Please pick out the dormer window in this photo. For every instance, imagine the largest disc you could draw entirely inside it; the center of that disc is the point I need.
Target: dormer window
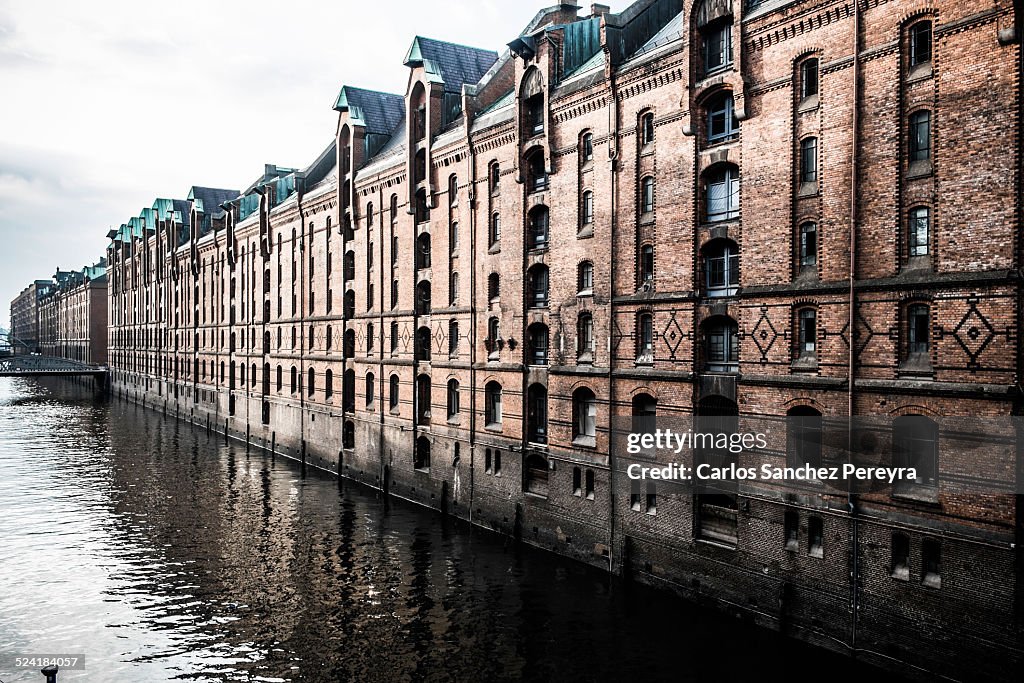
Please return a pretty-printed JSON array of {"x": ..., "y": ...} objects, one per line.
[
  {"x": 532, "y": 96},
  {"x": 717, "y": 38}
]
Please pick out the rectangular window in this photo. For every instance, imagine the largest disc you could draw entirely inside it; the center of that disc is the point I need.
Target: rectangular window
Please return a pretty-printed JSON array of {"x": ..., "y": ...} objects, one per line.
[
  {"x": 920, "y": 43},
  {"x": 717, "y": 46},
  {"x": 920, "y": 136},
  {"x": 652, "y": 503},
  {"x": 931, "y": 564},
  {"x": 487, "y": 461},
  {"x": 497, "y": 463},
  {"x": 577, "y": 481},
  {"x": 791, "y": 524},
  {"x": 809, "y": 160},
  {"x": 815, "y": 537},
  {"x": 917, "y": 329},
  {"x": 900, "y": 563},
  {"x": 809, "y": 78},
  {"x": 919, "y": 229},
  {"x": 808, "y": 245},
  {"x": 634, "y": 501},
  {"x": 590, "y": 485},
  {"x": 808, "y": 332}
]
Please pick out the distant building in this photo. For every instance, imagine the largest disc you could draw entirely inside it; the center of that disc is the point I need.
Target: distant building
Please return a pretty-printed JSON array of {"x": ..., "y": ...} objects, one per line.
[
  {"x": 73, "y": 315},
  {"x": 25, "y": 316}
]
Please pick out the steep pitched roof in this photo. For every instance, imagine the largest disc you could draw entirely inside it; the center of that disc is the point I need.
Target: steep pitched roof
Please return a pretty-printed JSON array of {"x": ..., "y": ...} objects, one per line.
[
  {"x": 454, "y": 64},
  {"x": 380, "y": 112}
]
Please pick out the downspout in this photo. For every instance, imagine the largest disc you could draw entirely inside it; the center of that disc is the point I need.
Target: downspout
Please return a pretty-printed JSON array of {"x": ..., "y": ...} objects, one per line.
[
  {"x": 613, "y": 159},
  {"x": 470, "y": 91},
  {"x": 299, "y": 191},
  {"x": 851, "y": 497}
]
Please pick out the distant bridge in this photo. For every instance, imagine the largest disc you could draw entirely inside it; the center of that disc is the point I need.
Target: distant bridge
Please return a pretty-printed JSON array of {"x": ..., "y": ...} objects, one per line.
[{"x": 48, "y": 366}]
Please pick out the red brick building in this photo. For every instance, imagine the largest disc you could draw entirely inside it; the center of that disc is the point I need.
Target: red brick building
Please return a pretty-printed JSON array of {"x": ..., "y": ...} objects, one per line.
[{"x": 732, "y": 210}]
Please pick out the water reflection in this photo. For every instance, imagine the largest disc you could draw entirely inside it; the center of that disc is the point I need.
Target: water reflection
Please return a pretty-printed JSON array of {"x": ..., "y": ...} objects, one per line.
[{"x": 163, "y": 553}]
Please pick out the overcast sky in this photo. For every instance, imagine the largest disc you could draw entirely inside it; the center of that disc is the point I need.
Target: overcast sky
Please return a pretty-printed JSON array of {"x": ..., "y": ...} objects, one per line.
[{"x": 105, "y": 106}]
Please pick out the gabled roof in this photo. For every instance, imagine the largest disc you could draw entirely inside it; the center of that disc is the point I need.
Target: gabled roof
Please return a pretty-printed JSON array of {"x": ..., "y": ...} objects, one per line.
[
  {"x": 208, "y": 200},
  {"x": 380, "y": 112},
  {"x": 454, "y": 64}
]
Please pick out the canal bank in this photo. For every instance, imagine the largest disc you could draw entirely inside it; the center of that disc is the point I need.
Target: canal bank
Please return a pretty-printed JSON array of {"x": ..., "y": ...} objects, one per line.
[{"x": 161, "y": 552}]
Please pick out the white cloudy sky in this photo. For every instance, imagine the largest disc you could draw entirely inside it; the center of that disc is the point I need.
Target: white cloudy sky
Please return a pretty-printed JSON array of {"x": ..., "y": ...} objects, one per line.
[{"x": 106, "y": 105}]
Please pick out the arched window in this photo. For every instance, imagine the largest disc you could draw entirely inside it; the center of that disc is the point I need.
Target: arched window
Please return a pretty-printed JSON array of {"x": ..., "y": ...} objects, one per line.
[
  {"x": 645, "y": 338},
  {"x": 714, "y": 24},
  {"x": 328, "y": 384},
  {"x": 808, "y": 249},
  {"x": 492, "y": 404},
  {"x": 493, "y": 286},
  {"x": 421, "y": 454},
  {"x": 348, "y": 437},
  {"x": 915, "y": 442},
  {"x": 537, "y": 341},
  {"x": 809, "y": 160},
  {"x": 453, "y": 398},
  {"x": 537, "y": 228},
  {"x": 330, "y": 337},
  {"x": 537, "y": 414},
  {"x": 423, "y": 298},
  {"x": 295, "y": 379},
  {"x": 919, "y": 136},
  {"x": 453, "y": 190},
  {"x": 537, "y": 286},
  {"x": 585, "y": 278},
  {"x": 369, "y": 214},
  {"x": 585, "y": 338},
  {"x": 647, "y": 194},
  {"x": 645, "y": 263},
  {"x": 918, "y": 332},
  {"x": 493, "y": 341},
  {"x": 587, "y": 147},
  {"x": 348, "y": 391},
  {"x": 422, "y": 207},
  {"x": 350, "y": 304},
  {"x": 423, "y": 399},
  {"x": 420, "y": 168},
  {"x": 494, "y": 176},
  {"x": 393, "y": 392},
  {"x": 371, "y": 336},
  {"x": 722, "y": 193},
  {"x": 647, "y": 129},
  {"x": 311, "y": 384},
  {"x": 807, "y": 334},
  {"x": 587, "y": 212},
  {"x": 584, "y": 410},
  {"x": 349, "y": 344},
  {"x": 644, "y": 414},
  {"x": 808, "y": 78},
  {"x": 803, "y": 437},
  {"x": 721, "y": 344},
  {"x": 919, "y": 230},
  {"x": 394, "y": 293},
  {"x": 423, "y": 250},
  {"x": 369, "y": 390},
  {"x": 722, "y": 123},
  {"x": 536, "y": 172},
  {"x": 453, "y": 288},
  {"x": 423, "y": 344},
  {"x": 920, "y": 35},
  {"x": 453, "y": 337},
  {"x": 394, "y": 337},
  {"x": 532, "y": 96},
  {"x": 280, "y": 378},
  {"x": 494, "y": 234},
  {"x": 721, "y": 267}
]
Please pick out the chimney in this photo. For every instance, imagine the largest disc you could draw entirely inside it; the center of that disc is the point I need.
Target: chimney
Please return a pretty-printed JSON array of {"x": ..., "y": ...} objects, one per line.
[{"x": 597, "y": 10}]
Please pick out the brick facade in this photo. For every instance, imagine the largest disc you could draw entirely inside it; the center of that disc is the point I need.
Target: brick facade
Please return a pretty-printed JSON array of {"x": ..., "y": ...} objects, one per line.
[{"x": 648, "y": 213}]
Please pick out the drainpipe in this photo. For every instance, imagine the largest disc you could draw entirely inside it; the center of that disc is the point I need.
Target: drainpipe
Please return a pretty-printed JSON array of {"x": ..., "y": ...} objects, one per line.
[
  {"x": 851, "y": 497},
  {"x": 469, "y": 92},
  {"x": 302, "y": 386},
  {"x": 613, "y": 164}
]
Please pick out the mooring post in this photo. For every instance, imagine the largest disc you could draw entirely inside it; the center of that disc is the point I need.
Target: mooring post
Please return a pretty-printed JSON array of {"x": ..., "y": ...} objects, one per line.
[{"x": 50, "y": 672}]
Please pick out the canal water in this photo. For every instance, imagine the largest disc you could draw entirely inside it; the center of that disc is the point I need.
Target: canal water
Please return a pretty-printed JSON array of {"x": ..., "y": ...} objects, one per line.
[{"x": 160, "y": 553}]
